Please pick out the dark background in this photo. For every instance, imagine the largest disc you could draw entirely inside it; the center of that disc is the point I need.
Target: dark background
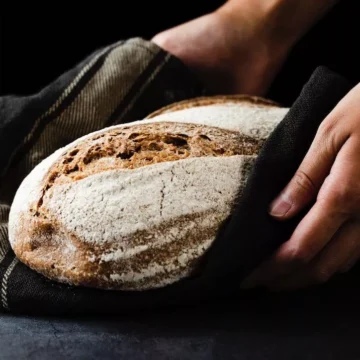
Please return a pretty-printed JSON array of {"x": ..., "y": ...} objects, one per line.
[{"x": 39, "y": 43}]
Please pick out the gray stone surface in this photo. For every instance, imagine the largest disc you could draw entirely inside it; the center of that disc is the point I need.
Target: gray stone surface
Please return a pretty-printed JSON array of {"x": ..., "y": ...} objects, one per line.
[{"x": 208, "y": 334}]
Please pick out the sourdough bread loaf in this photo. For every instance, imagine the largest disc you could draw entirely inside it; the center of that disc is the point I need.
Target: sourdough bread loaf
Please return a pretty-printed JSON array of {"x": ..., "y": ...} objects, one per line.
[{"x": 137, "y": 206}]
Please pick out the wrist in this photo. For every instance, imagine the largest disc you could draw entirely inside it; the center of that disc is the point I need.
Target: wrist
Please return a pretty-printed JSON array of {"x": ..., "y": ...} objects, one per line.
[{"x": 278, "y": 23}]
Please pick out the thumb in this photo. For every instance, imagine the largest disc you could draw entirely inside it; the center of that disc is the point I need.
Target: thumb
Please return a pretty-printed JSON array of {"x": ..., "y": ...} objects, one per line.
[
  {"x": 299, "y": 192},
  {"x": 309, "y": 177}
]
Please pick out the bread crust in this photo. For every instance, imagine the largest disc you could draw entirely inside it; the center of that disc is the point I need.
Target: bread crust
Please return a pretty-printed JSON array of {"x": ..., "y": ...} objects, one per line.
[
  {"x": 245, "y": 100},
  {"x": 139, "y": 220}
]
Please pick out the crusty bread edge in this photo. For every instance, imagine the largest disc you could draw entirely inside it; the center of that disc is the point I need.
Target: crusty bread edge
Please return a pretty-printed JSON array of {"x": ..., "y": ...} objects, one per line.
[{"x": 247, "y": 100}]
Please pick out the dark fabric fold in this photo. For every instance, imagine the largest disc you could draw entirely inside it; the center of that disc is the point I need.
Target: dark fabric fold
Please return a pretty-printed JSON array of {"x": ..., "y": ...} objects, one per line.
[
  {"x": 244, "y": 241},
  {"x": 19, "y": 113},
  {"x": 251, "y": 233}
]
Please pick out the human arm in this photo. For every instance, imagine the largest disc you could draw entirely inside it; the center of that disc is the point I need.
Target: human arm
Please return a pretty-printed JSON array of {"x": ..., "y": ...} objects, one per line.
[{"x": 240, "y": 47}]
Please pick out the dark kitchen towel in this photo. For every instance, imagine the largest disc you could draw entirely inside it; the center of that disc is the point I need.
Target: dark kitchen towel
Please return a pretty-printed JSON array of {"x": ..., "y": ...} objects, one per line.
[{"x": 125, "y": 82}]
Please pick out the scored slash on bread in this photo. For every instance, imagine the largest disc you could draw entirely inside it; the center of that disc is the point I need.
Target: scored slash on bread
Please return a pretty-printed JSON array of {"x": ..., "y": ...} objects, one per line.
[{"x": 136, "y": 206}]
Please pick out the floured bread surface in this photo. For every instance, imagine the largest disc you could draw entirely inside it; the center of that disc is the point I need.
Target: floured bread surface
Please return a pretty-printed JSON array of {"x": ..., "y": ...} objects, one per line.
[
  {"x": 131, "y": 207},
  {"x": 257, "y": 122},
  {"x": 219, "y": 100},
  {"x": 140, "y": 145}
]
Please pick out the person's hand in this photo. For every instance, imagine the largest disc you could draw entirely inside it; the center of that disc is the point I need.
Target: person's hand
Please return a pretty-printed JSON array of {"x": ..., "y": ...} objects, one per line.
[
  {"x": 240, "y": 47},
  {"x": 327, "y": 240},
  {"x": 228, "y": 50}
]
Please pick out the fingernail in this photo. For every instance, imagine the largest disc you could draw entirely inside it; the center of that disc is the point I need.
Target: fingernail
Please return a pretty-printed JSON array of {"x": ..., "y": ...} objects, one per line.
[{"x": 280, "y": 207}]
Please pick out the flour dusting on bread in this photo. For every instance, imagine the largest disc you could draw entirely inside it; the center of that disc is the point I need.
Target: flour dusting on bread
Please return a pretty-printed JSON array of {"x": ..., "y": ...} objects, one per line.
[{"x": 137, "y": 206}]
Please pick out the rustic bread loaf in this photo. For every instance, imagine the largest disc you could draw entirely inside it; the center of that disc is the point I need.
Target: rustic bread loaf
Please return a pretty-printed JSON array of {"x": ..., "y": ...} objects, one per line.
[{"x": 137, "y": 206}]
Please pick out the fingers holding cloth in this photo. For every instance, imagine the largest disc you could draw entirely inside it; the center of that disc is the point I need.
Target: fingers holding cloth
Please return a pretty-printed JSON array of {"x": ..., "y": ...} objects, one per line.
[{"x": 326, "y": 240}]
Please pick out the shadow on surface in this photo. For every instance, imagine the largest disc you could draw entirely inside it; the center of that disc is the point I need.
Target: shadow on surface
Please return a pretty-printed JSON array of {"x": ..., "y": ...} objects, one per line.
[{"x": 313, "y": 325}]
